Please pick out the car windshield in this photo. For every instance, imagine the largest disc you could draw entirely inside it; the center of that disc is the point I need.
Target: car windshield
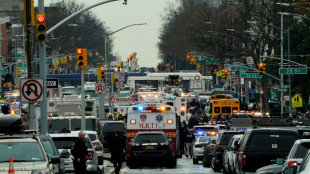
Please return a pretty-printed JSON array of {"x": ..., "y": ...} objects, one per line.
[
  {"x": 225, "y": 139},
  {"x": 77, "y": 91},
  {"x": 48, "y": 147},
  {"x": 71, "y": 90},
  {"x": 204, "y": 139},
  {"x": 66, "y": 142},
  {"x": 91, "y": 93},
  {"x": 302, "y": 150},
  {"x": 150, "y": 138},
  {"x": 21, "y": 152},
  {"x": 123, "y": 94},
  {"x": 175, "y": 90},
  {"x": 92, "y": 137}
]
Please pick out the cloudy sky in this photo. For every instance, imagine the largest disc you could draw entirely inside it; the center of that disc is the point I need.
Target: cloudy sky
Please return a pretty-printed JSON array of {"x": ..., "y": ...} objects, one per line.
[{"x": 142, "y": 39}]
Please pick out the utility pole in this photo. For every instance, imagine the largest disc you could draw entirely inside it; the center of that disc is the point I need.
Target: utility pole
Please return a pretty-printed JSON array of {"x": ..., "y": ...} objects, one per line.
[
  {"x": 29, "y": 32},
  {"x": 281, "y": 82}
]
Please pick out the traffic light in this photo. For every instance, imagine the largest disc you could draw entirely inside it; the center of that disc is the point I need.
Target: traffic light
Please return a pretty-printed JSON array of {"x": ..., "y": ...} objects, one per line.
[
  {"x": 41, "y": 27},
  {"x": 118, "y": 67},
  {"x": 261, "y": 68},
  {"x": 122, "y": 63},
  {"x": 56, "y": 64},
  {"x": 224, "y": 73},
  {"x": 81, "y": 57},
  {"x": 219, "y": 67},
  {"x": 188, "y": 57},
  {"x": 17, "y": 71},
  {"x": 100, "y": 74}
]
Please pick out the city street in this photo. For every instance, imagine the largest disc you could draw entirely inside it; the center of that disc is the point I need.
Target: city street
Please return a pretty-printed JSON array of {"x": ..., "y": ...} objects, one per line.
[{"x": 185, "y": 165}]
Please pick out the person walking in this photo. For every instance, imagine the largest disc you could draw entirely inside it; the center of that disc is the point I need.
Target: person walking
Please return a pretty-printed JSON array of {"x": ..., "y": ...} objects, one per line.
[
  {"x": 79, "y": 152},
  {"x": 117, "y": 150},
  {"x": 189, "y": 143},
  {"x": 182, "y": 138}
]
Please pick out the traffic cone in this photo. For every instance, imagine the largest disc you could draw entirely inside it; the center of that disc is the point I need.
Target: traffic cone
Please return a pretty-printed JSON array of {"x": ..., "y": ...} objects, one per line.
[{"x": 11, "y": 167}]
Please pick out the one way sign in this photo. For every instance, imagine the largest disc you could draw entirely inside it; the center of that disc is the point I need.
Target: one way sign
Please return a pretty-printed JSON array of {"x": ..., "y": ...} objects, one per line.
[{"x": 51, "y": 83}]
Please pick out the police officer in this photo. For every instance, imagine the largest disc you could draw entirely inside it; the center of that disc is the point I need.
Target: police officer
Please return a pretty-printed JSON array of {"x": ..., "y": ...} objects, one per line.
[{"x": 79, "y": 152}]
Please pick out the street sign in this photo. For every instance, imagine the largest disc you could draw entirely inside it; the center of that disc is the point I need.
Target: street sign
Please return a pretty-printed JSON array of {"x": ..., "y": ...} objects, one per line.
[
  {"x": 31, "y": 90},
  {"x": 286, "y": 86},
  {"x": 4, "y": 71},
  {"x": 113, "y": 97},
  {"x": 297, "y": 101},
  {"x": 282, "y": 90},
  {"x": 239, "y": 68},
  {"x": 122, "y": 78},
  {"x": 99, "y": 88},
  {"x": 293, "y": 71},
  {"x": 22, "y": 65},
  {"x": 119, "y": 84},
  {"x": 251, "y": 75},
  {"x": 52, "y": 83}
]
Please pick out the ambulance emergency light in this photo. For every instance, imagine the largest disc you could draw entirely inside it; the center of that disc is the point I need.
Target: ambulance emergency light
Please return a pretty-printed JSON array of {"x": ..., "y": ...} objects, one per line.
[{"x": 151, "y": 109}]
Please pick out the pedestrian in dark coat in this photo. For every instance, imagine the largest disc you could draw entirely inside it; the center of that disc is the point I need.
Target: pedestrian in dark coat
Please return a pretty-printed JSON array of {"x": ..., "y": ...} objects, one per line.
[
  {"x": 79, "y": 152},
  {"x": 182, "y": 138},
  {"x": 117, "y": 150}
]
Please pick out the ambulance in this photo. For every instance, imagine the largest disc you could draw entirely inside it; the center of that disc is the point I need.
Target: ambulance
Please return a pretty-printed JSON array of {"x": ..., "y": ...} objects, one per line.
[{"x": 153, "y": 117}]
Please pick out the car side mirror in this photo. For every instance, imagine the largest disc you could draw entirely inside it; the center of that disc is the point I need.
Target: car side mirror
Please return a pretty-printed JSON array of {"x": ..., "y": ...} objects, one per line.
[
  {"x": 290, "y": 170},
  {"x": 55, "y": 160},
  {"x": 65, "y": 154}
]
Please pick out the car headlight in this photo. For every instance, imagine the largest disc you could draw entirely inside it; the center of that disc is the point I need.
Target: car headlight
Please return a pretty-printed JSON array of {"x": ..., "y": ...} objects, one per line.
[
  {"x": 265, "y": 171},
  {"x": 45, "y": 171}
]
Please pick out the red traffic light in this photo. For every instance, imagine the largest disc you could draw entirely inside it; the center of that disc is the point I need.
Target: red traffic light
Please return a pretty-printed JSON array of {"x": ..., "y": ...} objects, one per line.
[
  {"x": 261, "y": 64},
  {"x": 41, "y": 18},
  {"x": 102, "y": 68},
  {"x": 225, "y": 71},
  {"x": 122, "y": 62}
]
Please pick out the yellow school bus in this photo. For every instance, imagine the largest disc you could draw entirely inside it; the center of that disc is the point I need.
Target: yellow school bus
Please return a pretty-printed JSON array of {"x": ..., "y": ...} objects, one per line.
[
  {"x": 219, "y": 96},
  {"x": 224, "y": 107}
]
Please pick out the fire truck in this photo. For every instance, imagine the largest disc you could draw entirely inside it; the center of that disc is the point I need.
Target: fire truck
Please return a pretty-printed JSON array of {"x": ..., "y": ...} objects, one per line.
[{"x": 153, "y": 117}]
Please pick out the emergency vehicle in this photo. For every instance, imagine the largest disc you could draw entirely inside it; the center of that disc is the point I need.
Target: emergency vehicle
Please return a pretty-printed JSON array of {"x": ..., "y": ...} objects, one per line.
[
  {"x": 153, "y": 117},
  {"x": 180, "y": 104},
  {"x": 150, "y": 97}
]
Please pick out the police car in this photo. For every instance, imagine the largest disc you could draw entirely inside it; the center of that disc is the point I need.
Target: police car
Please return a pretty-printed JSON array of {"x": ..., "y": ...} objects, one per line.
[
  {"x": 205, "y": 130},
  {"x": 14, "y": 141}
]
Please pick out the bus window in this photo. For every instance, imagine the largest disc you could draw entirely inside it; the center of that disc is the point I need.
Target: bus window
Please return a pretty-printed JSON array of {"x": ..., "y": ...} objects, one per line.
[
  {"x": 226, "y": 110},
  {"x": 235, "y": 109},
  {"x": 217, "y": 110}
]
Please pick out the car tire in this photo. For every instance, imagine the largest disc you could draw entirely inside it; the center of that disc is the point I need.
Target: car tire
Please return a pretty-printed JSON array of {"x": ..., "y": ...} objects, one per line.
[
  {"x": 172, "y": 163},
  {"x": 214, "y": 165},
  {"x": 205, "y": 163},
  {"x": 195, "y": 161}
]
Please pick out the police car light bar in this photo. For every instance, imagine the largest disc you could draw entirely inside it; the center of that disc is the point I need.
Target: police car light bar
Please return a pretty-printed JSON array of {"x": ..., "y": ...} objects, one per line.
[{"x": 151, "y": 109}]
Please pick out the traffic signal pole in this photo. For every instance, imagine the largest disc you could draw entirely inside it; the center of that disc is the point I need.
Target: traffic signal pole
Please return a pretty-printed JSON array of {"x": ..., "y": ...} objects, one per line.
[
  {"x": 29, "y": 32},
  {"x": 43, "y": 72}
]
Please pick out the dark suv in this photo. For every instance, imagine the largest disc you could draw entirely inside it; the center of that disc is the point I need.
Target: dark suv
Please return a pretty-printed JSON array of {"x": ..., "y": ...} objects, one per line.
[
  {"x": 151, "y": 147},
  {"x": 261, "y": 147},
  {"x": 213, "y": 153}
]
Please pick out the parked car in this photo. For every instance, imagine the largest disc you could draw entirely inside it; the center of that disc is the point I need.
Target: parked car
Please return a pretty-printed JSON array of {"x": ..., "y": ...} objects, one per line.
[
  {"x": 221, "y": 144},
  {"x": 64, "y": 143},
  {"x": 230, "y": 154},
  {"x": 261, "y": 147},
  {"x": 51, "y": 150},
  {"x": 198, "y": 148},
  {"x": 108, "y": 128},
  {"x": 297, "y": 153},
  {"x": 303, "y": 169},
  {"x": 23, "y": 148},
  {"x": 96, "y": 144},
  {"x": 152, "y": 147},
  {"x": 208, "y": 152}
]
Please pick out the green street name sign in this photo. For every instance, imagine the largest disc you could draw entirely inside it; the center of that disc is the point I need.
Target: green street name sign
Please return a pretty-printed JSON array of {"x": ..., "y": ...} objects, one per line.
[
  {"x": 293, "y": 71},
  {"x": 21, "y": 65},
  {"x": 251, "y": 75},
  {"x": 4, "y": 71},
  {"x": 286, "y": 86},
  {"x": 239, "y": 68}
]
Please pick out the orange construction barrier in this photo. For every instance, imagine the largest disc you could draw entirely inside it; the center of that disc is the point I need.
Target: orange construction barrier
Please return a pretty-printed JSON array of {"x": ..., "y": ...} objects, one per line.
[{"x": 11, "y": 167}]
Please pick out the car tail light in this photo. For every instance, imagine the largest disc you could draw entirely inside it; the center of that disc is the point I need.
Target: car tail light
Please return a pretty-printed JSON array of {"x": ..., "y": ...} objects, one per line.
[
  {"x": 218, "y": 147},
  {"x": 243, "y": 162},
  {"x": 95, "y": 143},
  {"x": 292, "y": 163},
  {"x": 90, "y": 155}
]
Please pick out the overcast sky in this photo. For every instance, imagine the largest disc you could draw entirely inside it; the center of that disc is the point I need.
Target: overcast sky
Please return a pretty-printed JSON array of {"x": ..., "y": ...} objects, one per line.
[{"x": 142, "y": 39}]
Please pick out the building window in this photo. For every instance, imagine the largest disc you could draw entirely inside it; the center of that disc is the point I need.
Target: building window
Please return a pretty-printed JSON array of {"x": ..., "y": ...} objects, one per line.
[{"x": 15, "y": 8}]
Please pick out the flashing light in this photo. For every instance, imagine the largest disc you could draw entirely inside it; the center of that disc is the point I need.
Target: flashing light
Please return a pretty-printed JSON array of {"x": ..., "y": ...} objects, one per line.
[
  {"x": 133, "y": 135},
  {"x": 200, "y": 133},
  {"x": 212, "y": 133},
  {"x": 235, "y": 111},
  {"x": 169, "y": 121},
  {"x": 143, "y": 95},
  {"x": 162, "y": 108},
  {"x": 292, "y": 163},
  {"x": 133, "y": 121},
  {"x": 13, "y": 112},
  {"x": 140, "y": 108},
  {"x": 169, "y": 134},
  {"x": 156, "y": 95},
  {"x": 182, "y": 109}
]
